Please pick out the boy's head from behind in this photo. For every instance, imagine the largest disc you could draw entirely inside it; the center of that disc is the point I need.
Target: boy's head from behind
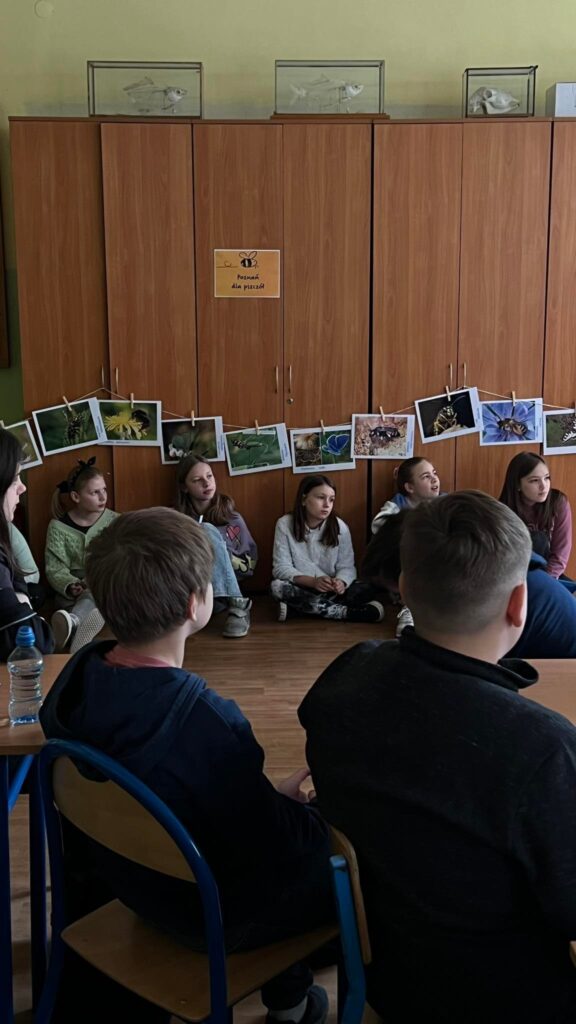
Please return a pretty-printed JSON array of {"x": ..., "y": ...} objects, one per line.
[
  {"x": 149, "y": 573},
  {"x": 462, "y": 557}
]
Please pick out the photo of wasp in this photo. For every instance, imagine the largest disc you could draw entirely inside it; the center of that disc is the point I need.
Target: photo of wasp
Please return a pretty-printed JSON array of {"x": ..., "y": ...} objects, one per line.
[
  {"x": 446, "y": 419},
  {"x": 511, "y": 422},
  {"x": 246, "y": 443},
  {"x": 453, "y": 413},
  {"x": 77, "y": 420}
]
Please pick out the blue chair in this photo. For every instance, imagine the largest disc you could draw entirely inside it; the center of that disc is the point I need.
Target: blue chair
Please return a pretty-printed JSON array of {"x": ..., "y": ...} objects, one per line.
[
  {"x": 117, "y": 810},
  {"x": 354, "y": 937}
]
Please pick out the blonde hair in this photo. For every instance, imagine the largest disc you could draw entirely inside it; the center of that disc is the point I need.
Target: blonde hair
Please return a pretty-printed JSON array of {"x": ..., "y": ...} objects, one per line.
[{"x": 76, "y": 480}]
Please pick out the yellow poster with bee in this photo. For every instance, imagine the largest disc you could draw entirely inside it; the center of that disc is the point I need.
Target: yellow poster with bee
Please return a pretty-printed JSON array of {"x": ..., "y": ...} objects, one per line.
[{"x": 246, "y": 273}]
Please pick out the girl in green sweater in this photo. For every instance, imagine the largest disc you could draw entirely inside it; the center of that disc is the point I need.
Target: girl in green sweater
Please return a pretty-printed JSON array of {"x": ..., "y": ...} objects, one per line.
[{"x": 73, "y": 527}]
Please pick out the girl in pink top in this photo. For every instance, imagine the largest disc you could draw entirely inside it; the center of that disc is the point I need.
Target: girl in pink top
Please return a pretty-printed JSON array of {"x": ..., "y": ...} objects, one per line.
[{"x": 545, "y": 510}]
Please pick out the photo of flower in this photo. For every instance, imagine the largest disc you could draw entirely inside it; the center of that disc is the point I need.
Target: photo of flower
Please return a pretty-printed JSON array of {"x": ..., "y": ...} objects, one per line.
[
  {"x": 202, "y": 438},
  {"x": 313, "y": 448},
  {"x": 131, "y": 423},
  {"x": 511, "y": 422}
]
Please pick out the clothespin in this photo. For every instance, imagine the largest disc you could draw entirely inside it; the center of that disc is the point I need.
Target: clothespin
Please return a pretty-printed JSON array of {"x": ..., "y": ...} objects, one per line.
[
  {"x": 67, "y": 403},
  {"x": 448, "y": 395},
  {"x": 381, "y": 411},
  {"x": 513, "y": 399},
  {"x": 131, "y": 399},
  {"x": 322, "y": 425},
  {"x": 193, "y": 418},
  {"x": 257, "y": 427},
  {"x": 2, "y": 424}
]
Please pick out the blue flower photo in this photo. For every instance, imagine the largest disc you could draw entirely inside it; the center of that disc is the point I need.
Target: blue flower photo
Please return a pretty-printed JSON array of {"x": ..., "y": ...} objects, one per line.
[{"x": 517, "y": 422}]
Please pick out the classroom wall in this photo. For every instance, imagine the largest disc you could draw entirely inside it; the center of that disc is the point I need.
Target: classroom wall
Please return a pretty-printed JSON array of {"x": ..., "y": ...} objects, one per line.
[{"x": 44, "y": 46}]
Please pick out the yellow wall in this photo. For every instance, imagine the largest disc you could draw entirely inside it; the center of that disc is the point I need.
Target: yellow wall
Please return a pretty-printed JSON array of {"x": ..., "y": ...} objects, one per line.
[{"x": 44, "y": 46}]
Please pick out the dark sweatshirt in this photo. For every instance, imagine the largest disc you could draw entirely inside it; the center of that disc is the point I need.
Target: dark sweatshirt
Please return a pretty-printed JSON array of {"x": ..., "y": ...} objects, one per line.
[{"x": 460, "y": 798}]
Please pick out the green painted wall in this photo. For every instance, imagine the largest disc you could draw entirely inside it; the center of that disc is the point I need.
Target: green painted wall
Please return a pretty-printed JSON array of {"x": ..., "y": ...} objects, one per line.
[{"x": 44, "y": 46}]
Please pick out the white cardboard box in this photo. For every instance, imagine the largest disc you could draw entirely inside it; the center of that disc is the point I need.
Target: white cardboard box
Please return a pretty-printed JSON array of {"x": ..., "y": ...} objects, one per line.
[{"x": 561, "y": 100}]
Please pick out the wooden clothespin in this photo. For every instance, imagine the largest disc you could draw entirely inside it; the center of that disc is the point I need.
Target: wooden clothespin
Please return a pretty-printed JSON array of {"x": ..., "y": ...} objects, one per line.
[
  {"x": 193, "y": 418},
  {"x": 513, "y": 400},
  {"x": 257, "y": 427},
  {"x": 448, "y": 395},
  {"x": 322, "y": 425},
  {"x": 381, "y": 411},
  {"x": 67, "y": 403},
  {"x": 2, "y": 424},
  {"x": 131, "y": 399}
]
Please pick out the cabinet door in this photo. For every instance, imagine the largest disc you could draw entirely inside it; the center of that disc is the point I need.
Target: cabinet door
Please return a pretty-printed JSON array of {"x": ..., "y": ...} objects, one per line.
[
  {"x": 61, "y": 284},
  {"x": 238, "y": 205},
  {"x": 327, "y": 207},
  {"x": 560, "y": 357},
  {"x": 505, "y": 204},
  {"x": 148, "y": 210},
  {"x": 417, "y": 185}
]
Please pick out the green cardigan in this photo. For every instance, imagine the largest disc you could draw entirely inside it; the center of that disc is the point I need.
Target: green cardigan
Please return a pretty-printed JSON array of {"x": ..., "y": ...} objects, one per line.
[{"x": 66, "y": 550}]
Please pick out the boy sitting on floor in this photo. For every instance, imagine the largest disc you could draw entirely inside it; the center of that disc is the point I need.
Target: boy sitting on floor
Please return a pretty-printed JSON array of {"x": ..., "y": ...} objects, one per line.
[{"x": 149, "y": 573}]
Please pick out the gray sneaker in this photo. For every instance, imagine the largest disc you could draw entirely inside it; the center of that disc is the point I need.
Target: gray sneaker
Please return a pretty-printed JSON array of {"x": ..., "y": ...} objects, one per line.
[
  {"x": 87, "y": 630},
  {"x": 64, "y": 625},
  {"x": 238, "y": 621}
]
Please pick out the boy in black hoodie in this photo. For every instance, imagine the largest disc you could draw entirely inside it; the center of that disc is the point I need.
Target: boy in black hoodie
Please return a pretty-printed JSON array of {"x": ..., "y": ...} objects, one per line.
[{"x": 149, "y": 573}]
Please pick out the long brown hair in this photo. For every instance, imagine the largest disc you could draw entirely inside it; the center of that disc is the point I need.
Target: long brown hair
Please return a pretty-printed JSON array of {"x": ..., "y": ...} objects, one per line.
[
  {"x": 10, "y": 459},
  {"x": 405, "y": 473},
  {"x": 220, "y": 509},
  {"x": 520, "y": 466},
  {"x": 331, "y": 530},
  {"x": 77, "y": 478}
]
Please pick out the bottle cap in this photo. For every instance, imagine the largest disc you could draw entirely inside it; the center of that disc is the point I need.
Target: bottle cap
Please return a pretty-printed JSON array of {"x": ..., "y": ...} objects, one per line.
[{"x": 25, "y": 637}]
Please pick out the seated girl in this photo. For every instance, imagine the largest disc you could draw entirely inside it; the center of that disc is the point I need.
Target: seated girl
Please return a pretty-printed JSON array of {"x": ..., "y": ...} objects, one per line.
[
  {"x": 313, "y": 559},
  {"x": 15, "y": 606},
  {"x": 545, "y": 511}
]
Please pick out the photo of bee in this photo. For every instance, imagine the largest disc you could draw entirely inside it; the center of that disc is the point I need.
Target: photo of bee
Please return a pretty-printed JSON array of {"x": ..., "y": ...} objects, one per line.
[
  {"x": 63, "y": 427},
  {"x": 449, "y": 415},
  {"x": 386, "y": 436},
  {"x": 203, "y": 437},
  {"x": 131, "y": 423},
  {"x": 515, "y": 422},
  {"x": 257, "y": 450},
  {"x": 313, "y": 447},
  {"x": 560, "y": 432},
  {"x": 23, "y": 434}
]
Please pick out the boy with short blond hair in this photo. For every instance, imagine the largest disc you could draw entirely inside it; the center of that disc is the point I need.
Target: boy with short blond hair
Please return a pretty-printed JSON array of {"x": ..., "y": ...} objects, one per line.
[{"x": 149, "y": 573}]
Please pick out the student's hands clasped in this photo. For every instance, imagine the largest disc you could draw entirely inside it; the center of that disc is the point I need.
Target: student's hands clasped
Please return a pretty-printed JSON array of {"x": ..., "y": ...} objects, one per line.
[
  {"x": 292, "y": 786},
  {"x": 76, "y": 589},
  {"x": 329, "y": 585}
]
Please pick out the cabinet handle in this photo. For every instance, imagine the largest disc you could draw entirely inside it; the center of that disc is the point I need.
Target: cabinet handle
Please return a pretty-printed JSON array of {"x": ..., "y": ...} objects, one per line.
[
  {"x": 276, "y": 376},
  {"x": 116, "y": 380},
  {"x": 451, "y": 369},
  {"x": 465, "y": 373},
  {"x": 102, "y": 376},
  {"x": 290, "y": 379}
]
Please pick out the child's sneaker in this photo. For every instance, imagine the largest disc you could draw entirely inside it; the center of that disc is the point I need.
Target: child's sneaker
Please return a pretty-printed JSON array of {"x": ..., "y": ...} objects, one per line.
[
  {"x": 282, "y": 611},
  {"x": 404, "y": 619},
  {"x": 87, "y": 630},
  {"x": 316, "y": 1010},
  {"x": 371, "y": 612},
  {"x": 64, "y": 625},
  {"x": 238, "y": 622}
]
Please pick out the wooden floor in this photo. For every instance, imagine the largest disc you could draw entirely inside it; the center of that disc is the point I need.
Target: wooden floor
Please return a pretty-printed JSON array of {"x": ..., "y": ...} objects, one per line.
[{"x": 267, "y": 673}]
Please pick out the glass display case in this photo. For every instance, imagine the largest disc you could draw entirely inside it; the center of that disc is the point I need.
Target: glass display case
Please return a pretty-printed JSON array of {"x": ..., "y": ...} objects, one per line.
[{"x": 144, "y": 89}]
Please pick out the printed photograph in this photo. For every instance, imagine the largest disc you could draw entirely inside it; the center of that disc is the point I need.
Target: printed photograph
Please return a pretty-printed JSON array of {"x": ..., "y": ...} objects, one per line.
[
  {"x": 383, "y": 437},
  {"x": 205, "y": 438},
  {"x": 248, "y": 451},
  {"x": 23, "y": 434},
  {"x": 313, "y": 448},
  {"x": 560, "y": 432},
  {"x": 442, "y": 416},
  {"x": 64, "y": 427},
  {"x": 136, "y": 423},
  {"x": 517, "y": 422}
]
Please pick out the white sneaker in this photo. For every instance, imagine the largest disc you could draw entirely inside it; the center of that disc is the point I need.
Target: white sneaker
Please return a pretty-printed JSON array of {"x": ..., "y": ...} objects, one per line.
[
  {"x": 64, "y": 625},
  {"x": 404, "y": 619},
  {"x": 87, "y": 630},
  {"x": 282, "y": 611}
]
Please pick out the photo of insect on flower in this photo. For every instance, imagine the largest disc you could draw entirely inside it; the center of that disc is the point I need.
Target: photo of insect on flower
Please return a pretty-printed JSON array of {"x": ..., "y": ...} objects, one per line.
[
  {"x": 201, "y": 438},
  {"x": 514, "y": 422},
  {"x": 383, "y": 436},
  {"x": 23, "y": 434},
  {"x": 257, "y": 450},
  {"x": 313, "y": 447},
  {"x": 62, "y": 427},
  {"x": 560, "y": 432},
  {"x": 131, "y": 423}
]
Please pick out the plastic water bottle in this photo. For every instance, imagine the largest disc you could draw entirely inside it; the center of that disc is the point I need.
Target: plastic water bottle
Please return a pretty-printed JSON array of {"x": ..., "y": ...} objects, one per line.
[{"x": 25, "y": 667}]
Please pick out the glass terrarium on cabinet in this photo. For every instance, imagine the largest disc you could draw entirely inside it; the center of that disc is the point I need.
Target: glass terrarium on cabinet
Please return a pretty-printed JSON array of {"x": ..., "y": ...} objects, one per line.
[
  {"x": 144, "y": 89},
  {"x": 329, "y": 87},
  {"x": 499, "y": 92}
]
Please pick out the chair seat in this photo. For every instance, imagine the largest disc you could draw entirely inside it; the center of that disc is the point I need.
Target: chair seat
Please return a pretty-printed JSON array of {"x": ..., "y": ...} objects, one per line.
[{"x": 165, "y": 971}]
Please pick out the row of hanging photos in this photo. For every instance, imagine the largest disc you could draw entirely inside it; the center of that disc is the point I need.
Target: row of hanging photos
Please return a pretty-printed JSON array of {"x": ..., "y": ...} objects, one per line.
[{"x": 381, "y": 435}]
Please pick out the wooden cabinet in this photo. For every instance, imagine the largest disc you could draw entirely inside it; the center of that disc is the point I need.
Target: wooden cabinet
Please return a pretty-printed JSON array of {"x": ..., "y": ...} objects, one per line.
[
  {"x": 61, "y": 284},
  {"x": 417, "y": 196},
  {"x": 560, "y": 358},
  {"x": 149, "y": 241},
  {"x": 505, "y": 205}
]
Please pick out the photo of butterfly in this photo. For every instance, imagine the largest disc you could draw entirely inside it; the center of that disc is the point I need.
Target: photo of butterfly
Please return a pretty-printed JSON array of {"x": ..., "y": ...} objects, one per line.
[{"x": 315, "y": 447}]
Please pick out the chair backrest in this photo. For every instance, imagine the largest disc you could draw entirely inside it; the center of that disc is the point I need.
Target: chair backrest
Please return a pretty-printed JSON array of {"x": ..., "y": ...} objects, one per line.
[
  {"x": 116, "y": 820},
  {"x": 342, "y": 845}
]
